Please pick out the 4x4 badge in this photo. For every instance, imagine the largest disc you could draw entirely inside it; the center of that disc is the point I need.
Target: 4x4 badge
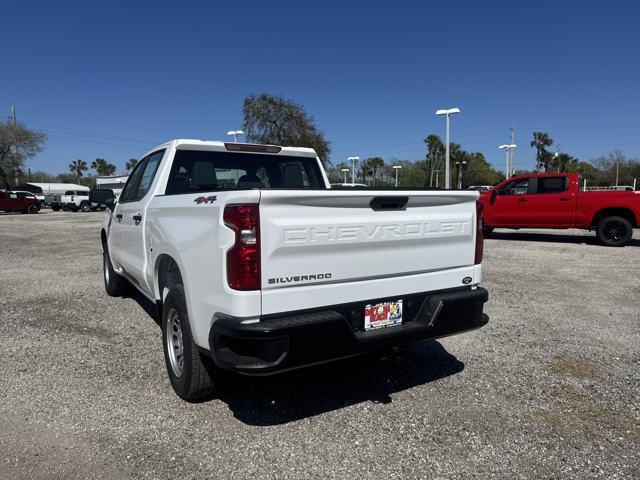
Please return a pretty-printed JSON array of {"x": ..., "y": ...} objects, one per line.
[{"x": 201, "y": 200}]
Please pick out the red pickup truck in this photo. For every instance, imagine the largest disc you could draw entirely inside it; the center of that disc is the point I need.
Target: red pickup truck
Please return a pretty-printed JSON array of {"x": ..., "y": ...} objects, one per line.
[{"x": 556, "y": 201}]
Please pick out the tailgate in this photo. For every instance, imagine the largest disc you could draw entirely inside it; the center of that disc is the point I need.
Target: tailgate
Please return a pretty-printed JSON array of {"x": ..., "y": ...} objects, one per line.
[{"x": 345, "y": 238}]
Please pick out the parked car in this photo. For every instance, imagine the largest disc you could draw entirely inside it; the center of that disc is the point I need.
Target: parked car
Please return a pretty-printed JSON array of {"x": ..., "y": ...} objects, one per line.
[
  {"x": 24, "y": 202},
  {"x": 556, "y": 201},
  {"x": 73, "y": 200},
  {"x": 279, "y": 271},
  {"x": 39, "y": 196}
]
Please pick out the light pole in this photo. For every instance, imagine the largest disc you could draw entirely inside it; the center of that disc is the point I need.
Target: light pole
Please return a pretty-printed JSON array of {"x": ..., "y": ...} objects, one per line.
[
  {"x": 344, "y": 171},
  {"x": 397, "y": 169},
  {"x": 508, "y": 149},
  {"x": 447, "y": 170},
  {"x": 234, "y": 134},
  {"x": 459, "y": 166},
  {"x": 353, "y": 171}
]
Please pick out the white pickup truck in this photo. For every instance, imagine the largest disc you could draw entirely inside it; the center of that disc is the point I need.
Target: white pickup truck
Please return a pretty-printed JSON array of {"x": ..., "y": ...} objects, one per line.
[
  {"x": 73, "y": 200},
  {"x": 256, "y": 265}
]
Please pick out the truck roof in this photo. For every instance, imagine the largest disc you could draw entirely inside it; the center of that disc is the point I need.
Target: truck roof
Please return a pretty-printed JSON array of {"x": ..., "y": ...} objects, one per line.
[{"x": 214, "y": 145}]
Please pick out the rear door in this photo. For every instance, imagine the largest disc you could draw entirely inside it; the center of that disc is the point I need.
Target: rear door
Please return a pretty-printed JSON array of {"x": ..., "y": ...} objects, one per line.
[{"x": 552, "y": 203}]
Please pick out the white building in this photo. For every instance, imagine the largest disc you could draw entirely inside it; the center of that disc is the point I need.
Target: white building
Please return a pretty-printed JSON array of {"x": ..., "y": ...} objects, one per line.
[{"x": 48, "y": 188}]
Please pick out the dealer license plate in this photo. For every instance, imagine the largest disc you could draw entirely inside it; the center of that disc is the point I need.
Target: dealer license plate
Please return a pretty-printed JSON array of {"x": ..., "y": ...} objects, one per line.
[{"x": 380, "y": 315}]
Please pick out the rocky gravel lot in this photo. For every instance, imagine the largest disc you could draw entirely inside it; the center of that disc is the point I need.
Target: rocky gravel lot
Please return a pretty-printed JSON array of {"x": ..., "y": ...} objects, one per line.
[{"x": 549, "y": 389}]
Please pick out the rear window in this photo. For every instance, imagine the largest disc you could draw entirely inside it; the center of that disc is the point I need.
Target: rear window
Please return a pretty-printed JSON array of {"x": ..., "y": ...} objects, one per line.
[{"x": 201, "y": 171}]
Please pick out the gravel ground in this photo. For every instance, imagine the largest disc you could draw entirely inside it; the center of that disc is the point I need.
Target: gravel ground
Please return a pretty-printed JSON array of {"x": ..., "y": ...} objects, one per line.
[{"x": 549, "y": 389}]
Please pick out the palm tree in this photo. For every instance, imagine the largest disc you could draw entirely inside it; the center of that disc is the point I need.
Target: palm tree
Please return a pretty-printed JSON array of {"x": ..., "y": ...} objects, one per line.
[
  {"x": 131, "y": 164},
  {"x": 374, "y": 165},
  {"x": 77, "y": 167},
  {"x": 435, "y": 147},
  {"x": 540, "y": 141}
]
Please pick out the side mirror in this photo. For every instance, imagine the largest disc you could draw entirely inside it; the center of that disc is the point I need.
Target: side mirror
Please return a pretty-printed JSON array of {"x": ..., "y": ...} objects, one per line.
[{"x": 103, "y": 197}]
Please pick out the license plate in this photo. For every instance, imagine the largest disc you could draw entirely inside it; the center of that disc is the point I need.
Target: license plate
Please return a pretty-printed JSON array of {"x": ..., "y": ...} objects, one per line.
[{"x": 380, "y": 315}]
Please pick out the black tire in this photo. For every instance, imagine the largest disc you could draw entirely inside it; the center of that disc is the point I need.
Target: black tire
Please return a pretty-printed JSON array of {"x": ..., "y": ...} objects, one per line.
[
  {"x": 33, "y": 208},
  {"x": 614, "y": 231},
  {"x": 85, "y": 207},
  {"x": 115, "y": 285},
  {"x": 487, "y": 231},
  {"x": 193, "y": 375},
  {"x": 55, "y": 207},
  {"x": 74, "y": 208}
]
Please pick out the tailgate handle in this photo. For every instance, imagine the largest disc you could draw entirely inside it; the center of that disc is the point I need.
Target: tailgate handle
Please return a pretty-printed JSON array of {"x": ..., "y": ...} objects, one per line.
[{"x": 389, "y": 203}]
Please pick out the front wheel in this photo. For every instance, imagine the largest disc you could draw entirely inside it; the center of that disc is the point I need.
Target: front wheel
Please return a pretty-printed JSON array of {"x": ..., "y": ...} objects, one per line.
[
  {"x": 191, "y": 374},
  {"x": 85, "y": 207},
  {"x": 33, "y": 208},
  {"x": 614, "y": 231}
]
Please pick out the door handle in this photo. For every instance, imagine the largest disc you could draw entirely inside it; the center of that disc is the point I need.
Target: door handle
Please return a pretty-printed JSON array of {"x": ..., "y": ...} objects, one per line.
[
  {"x": 522, "y": 199},
  {"x": 137, "y": 218},
  {"x": 565, "y": 199},
  {"x": 119, "y": 217}
]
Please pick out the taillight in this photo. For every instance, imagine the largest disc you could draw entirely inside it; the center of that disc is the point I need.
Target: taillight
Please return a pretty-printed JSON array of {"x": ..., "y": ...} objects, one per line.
[
  {"x": 243, "y": 259},
  {"x": 479, "y": 235}
]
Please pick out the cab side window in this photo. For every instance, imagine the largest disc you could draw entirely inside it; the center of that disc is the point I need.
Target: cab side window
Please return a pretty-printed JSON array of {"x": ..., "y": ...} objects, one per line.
[
  {"x": 517, "y": 187},
  {"x": 552, "y": 184},
  {"x": 141, "y": 178}
]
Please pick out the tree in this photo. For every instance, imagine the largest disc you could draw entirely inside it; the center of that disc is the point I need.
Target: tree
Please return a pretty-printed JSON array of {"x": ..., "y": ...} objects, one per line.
[
  {"x": 271, "y": 119},
  {"x": 131, "y": 164},
  {"x": 540, "y": 142},
  {"x": 77, "y": 167},
  {"x": 102, "y": 167},
  {"x": 562, "y": 162},
  {"x": 435, "y": 147},
  {"x": 373, "y": 166},
  {"x": 17, "y": 144}
]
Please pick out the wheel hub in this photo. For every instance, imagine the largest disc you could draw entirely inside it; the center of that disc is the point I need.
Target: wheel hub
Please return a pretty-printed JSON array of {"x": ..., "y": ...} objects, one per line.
[{"x": 175, "y": 345}]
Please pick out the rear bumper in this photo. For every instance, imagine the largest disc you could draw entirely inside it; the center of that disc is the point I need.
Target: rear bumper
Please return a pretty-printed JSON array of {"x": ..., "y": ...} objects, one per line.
[{"x": 304, "y": 338}]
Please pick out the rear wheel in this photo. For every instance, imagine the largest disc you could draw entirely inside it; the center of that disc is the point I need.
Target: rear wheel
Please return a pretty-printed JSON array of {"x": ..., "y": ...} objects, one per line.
[
  {"x": 114, "y": 284},
  {"x": 55, "y": 207},
  {"x": 191, "y": 374},
  {"x": 74, "y": 208},
  {"x": 614, "y": 231}
]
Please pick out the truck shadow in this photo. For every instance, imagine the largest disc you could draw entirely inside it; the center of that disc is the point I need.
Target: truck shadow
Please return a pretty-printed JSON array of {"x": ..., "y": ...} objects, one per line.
[
  {"x": 291, "y": 396},
  {"x": 551, "y": 238},
  {"x": 311, "y": 391}
]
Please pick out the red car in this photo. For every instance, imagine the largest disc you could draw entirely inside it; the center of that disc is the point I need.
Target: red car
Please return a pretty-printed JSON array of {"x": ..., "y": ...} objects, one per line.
[
  {"x": 19, "y": 202},
  {"x": 556, "y": 201}
]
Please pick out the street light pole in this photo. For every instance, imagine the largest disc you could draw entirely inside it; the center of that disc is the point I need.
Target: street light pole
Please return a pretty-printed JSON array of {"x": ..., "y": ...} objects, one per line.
[
  {"x": 508, "y": 167},
  {"x": 447, "y": 167},
  {"x": 344, "y": 171},
  {"x": 353, "y": 171},
  {"x": 397, "y": 168},
  {"x": 459, "y": 166}
]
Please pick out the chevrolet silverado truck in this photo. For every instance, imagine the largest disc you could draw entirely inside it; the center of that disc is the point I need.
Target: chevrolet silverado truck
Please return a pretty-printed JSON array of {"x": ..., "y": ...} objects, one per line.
[
  {"x": 556, "y": 201},
  {"x": 257, "y": 266}
]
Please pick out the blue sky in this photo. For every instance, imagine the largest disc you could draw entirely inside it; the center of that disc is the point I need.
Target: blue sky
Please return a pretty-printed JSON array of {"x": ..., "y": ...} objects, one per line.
[{"x": 111, "y": 79}]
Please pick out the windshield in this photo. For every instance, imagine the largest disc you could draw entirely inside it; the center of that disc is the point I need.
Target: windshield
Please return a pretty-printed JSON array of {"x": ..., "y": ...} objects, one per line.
[{"x": 198, "y": 171}]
